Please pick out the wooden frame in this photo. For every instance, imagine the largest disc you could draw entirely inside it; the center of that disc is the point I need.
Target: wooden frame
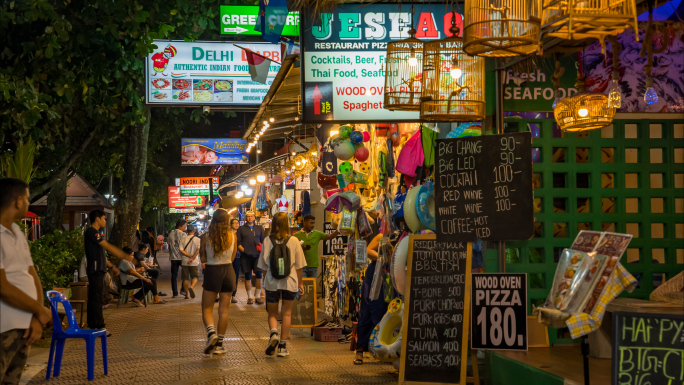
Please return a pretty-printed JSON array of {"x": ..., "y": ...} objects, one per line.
[
  {"x": 315, "y": 304},
  {"x": 466, "y": 314}
]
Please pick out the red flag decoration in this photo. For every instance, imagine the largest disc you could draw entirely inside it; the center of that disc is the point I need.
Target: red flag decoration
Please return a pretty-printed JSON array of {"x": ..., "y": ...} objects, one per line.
[
  {"x": 288, "y": 47},
  {"x": 258, "y": 65}
]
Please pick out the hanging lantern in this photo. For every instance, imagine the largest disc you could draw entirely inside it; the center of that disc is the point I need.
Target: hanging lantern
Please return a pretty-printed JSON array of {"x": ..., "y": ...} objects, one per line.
[
  {"x": 500, "y": 28},
  {"x": 583, "y": 111},
  {"x": 452, "y": 81},
  {"x": 581, "y": 19},
  {"x": 403, "y": 73}
]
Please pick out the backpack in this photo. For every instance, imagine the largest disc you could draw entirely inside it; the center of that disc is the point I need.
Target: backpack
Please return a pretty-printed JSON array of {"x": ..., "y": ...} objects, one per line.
[{"x": 279, "y": 259}]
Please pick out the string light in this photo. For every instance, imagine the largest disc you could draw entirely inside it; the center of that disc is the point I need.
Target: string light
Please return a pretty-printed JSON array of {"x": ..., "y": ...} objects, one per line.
[
  {"x": 582, "y": 112},
  {"x": 455, "y": 68},
  {"x": 252, "y": 182},
  {"x": 265, "y": 122},
  {"x": 272, "y": 120},
  {"x": 294, "y": 153},
  {"x": 412, "y": 59},
  {"x": 244, "y": 187}
]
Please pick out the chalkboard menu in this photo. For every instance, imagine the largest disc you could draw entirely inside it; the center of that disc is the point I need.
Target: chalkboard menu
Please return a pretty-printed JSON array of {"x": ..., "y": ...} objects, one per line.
[
  {"x": 648, "y": 348},
  {"x": 305, "y": 309},
  {"x": 483, "y": 188},
  {"x": 436, "y": 312}
]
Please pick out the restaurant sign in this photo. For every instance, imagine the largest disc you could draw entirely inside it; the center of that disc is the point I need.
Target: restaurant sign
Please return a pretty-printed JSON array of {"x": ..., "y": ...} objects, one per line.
[
  {"x": 178, "y": 201},
  {"x": 206, "y": 73},
  {"x": 241, "y": 19},
  {"x": 202, "y": 151},
  {"x": 533, "y": 90},
  {"x": 344, "y": 56},
  {"x": 198, "y": 186}
]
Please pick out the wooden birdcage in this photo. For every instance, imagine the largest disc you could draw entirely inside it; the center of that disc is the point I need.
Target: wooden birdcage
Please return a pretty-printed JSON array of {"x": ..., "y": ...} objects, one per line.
[
  {"x": 501, "y": 28},
  {"x": 403, "y": 73},
  {"x": 581, "y": 19},
  {"x": 449, "y": 94},
  {"x": 583, "y": 111}
]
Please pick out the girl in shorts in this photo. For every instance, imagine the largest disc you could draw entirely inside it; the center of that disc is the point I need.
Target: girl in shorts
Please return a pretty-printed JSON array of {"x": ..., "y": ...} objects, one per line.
[
  {"x": 284, "y": 289},
  {"x": 217, "y": 252}
]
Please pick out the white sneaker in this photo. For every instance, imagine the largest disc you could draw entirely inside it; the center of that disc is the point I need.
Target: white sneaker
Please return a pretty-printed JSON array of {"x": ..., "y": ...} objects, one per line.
[
  {"x": 282, "y": 350},
  {"x": 272, "y": 344},
  {"x": 212, "y": 340}
]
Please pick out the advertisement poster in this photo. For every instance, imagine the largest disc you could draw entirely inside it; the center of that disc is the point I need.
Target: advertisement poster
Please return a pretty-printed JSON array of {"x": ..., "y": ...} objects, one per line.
[
  {"x": 197, "y": 186},
  {"x": 206, "y": 73},
  {"x": 197, "y": 152},
  {"x": 178, "y": 201},
  {"x": 344, "y": 55},
  {"x": 241, "y": 19}
]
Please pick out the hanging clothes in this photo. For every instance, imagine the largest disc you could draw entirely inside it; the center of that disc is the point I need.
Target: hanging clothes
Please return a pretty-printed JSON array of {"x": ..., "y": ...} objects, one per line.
[{"x": 306, "y": 203}]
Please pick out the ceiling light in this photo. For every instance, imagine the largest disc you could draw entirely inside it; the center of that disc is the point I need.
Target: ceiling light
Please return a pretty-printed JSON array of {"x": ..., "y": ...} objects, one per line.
[
  {"x": 582, "y": 112},
  {"x": 244, "y": 187},
  {"x": 249, "y": 192},
  {"x": 265, "y": 122},
  {"x": 272, "y": 120},
  {"x": 252, "y": 182},
  {"x": 261, "y": 178},
  {"x": 298, "y": 163},
  {"x": 258, "y": 151},
  {"x": 455, "y": 68},
  {"x": 239, "y": 194},
  {"x": 294, "y": 153}
]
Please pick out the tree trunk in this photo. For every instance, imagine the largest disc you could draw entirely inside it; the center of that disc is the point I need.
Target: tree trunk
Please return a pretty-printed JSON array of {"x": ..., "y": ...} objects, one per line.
[
  {"x": 128, "y": 210},
  {"x": 55, "y": 204}
]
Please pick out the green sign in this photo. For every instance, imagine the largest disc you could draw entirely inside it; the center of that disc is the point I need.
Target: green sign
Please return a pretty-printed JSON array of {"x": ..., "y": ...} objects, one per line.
[
  {"x": 533, "y": 90},
  {"x": 241, "y": 19},
  {"x": 194, "y": 192}
]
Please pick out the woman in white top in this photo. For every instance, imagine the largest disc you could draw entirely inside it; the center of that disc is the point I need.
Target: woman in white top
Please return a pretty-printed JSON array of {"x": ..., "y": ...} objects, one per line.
[
  {"x": 285, "y": 288},
  {"x": 217, "y": 252}
]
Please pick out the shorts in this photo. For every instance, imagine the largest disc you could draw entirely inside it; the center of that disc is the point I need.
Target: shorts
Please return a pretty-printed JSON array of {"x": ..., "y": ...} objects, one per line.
[
  {"x": 275, "y": 296},
  {"x": 249, "y": 265},
  {"x": 13, "y": 355},
  {"x": 188, "y": 272},
  {"x": 219, "y": 278}
]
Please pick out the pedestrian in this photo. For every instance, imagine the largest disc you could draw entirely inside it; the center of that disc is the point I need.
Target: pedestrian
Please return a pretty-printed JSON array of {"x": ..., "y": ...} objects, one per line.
[
  {"x": 309, "y": 239},
  {"x": 190, "y": 262},
  {"x": 97, "y": 263},
  {"x": 132, "y": 279},
  {"x": 22, "y": 314},
  {"x": 151, "y": 241},
  {"x": 217, "y": 252},
  {"x": 174, "y": 240},
  {"x": 250, "y": 238},
  {"x": 286, "y": 288},
  {"x": 234, "y": 225}
]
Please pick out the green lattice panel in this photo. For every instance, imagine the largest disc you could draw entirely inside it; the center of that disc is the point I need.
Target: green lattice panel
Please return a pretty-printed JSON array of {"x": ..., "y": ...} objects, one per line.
[{"x": 627, "y": 177}]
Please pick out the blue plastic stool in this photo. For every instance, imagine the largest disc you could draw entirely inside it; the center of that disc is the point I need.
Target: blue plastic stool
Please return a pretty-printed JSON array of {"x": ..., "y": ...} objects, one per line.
[{"x": 60, "y": 336}]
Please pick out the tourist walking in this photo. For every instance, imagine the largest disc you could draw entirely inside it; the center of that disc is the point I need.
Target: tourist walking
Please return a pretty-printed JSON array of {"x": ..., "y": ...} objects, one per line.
[
  {"x": 190, "y": 266},
  {"x": 234, "y": 225},
  {"x": 97, "y": 263},
  {"x": 309, "y": 239},
  {"x": 22, "y": 314},
  {"x": 217, "y": 252},
  {"x": 174, "y": 240},
  {"x": 250, "y": 238},
  {"x": 282, "y": 281}
]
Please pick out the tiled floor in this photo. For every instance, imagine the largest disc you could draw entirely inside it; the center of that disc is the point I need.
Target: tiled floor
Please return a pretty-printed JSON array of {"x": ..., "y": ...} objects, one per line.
[{"x": 162, "y": 344}]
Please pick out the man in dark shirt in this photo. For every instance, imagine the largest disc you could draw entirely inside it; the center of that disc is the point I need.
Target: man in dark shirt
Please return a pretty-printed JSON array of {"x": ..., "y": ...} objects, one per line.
[
  {"x": 139, "y": 260},
  {"x": 97, "y": 264},
  {"x": 249, "y": 236}
]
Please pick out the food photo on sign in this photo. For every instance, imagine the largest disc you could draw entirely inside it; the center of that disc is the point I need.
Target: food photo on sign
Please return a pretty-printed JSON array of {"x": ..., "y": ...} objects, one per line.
[{"x": 213, "y": 151}]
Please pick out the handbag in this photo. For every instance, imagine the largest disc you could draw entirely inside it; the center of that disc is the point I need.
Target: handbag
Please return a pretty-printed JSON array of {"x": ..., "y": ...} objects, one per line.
[{"x": 327, "y": 182}]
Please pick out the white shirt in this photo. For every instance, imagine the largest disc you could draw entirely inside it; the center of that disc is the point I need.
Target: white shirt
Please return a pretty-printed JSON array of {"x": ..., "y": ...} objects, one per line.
[
  {"x": 15, "y": 260},
  {"x": 124, "y": 266},
  {"x": 192, "y": 246},
  {"x": 225, "y": 258},
  {"x": 297, "y": 261},
  {"x": 175, "y": 238}
]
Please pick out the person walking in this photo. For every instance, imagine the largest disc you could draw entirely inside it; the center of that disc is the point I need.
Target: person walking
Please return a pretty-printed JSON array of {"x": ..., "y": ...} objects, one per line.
[
  {"x": 285, "y": 289},
  {"x": 97, "y": 263},
  {"x": 217, "y": 252},
  {"x": 174, "y": 240},
  {"x": 309, "y": 239},
  {"x": 234, "y": 225},
  {"x": 190, "y": 266},
  {"x": 250, "y": 238},
  {"x": 22, "y": 314}
]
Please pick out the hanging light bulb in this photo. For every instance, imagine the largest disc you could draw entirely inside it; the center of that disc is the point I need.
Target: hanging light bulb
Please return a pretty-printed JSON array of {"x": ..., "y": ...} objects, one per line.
[
  {"x": 650, "y": 96},
  {"x": 455, "y": 68},
  {"x": 252, "y": 181},
  {"x": 239, "y": 194},
  {"x": 582, "y": 112},
  {"x": 249, "y": 192},
  {"x": 298, "y": 163},
  {"x": 412, "y": 59},
  {"x": 294, "y": 153},
  {"x": 614, "y": 92},
  {"x": 272, "y": 120},
  {"x": 244, "y": 187},
  {"x": 258, "y": 151},
  {"x": 287, "y": 171},
  {"x": 304, "y": 160},
  {"x": 261, "y": 178},
  {"x": 556, "y": 100},
  {"x": 265, "y": 122}
]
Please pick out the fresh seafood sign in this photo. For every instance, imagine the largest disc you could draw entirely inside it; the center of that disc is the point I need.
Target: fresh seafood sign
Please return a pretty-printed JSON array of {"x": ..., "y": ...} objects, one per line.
[{"x": 206, "y": 73}]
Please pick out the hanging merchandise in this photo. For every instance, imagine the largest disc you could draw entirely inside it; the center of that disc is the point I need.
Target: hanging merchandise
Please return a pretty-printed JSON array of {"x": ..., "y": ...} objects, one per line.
[
  {"x": 306, "y": 203},
  {"x": 389, "y": 162},
  {"x": 361, "y": 154},
  {"x": 376, "y": 284},
  {"x": 345, "y": 131},
  {"x": 428, "y": 137},
  {"x": 360, "y": 253},
  {"x": 344, "y": 149},
  {"x": 366, "y": 136},
  {"x": 363, "y": 224},
  {"x": 282, "y": 203},
  {"x": 410, "y": 213},
  {"x": 394, "y": 135},
  {"x": 356, "y": 177},
  {"x": 328, "y": 160},
  {"x": 356, "y": 137},
  {"x": 382, "y": 169},
  {"x": 347, "y": 222},
  {"x": 425, "y": 205},
  {"x": 385, "y": 340},
  {"x": 465, "y": 130},
  {"x": 342, "y": 180},
  {"x": 346, "y": 199},
  {"x": 398, "y": 267},
  {"x": 345, "y": 167},
  {"x": 327, "y": 182},
  {"x": 411, "y": 156},
  {"x": 399, "y": 202},
  {"x": 381, "y": 129}
]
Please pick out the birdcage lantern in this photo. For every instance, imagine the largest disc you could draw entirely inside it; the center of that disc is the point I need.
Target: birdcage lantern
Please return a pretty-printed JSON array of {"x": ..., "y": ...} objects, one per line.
[
  {"x": 501, "y": 28},
  {"x": 453, "y": 88},
  {"x": 581, "y": 19},
  {"x": 403, "y": 73},
  {"x": 583, "y": 111}
]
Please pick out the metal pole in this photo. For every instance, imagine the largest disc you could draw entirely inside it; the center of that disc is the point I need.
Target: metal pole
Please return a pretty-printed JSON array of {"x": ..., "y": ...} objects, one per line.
[{"x": 501, "y": 248}]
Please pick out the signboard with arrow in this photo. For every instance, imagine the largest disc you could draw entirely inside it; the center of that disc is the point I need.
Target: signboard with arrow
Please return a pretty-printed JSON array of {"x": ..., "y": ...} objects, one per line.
[{"x": 240, "y": 20}]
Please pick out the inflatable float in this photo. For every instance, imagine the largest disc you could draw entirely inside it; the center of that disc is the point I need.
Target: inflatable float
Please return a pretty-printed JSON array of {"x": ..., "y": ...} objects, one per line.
[{"x": 385, "y": 341}]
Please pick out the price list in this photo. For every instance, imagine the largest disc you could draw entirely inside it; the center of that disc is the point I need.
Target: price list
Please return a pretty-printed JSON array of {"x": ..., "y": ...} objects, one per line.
[
  {"x": 483, "y": 188},
  {"x": 436, "y": 312}
]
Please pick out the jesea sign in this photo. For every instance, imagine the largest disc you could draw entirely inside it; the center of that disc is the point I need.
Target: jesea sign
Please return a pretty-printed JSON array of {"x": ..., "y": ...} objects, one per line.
[
  {"x": 344, "y": 56},
  {"x": 206, "y": 73},
  {"x": 241, "y": 19}
]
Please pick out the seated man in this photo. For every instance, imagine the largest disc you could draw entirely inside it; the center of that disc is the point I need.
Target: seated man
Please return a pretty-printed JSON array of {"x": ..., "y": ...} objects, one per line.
[
  {"x": 140, "y": 262},
  {"x": 131, "y": 279}
]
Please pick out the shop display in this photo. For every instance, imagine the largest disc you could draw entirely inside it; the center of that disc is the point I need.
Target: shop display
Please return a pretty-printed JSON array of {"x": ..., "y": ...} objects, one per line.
[
  {"x": 425, "y": 205},
  {"x": 410, "y": 210},
  {"x": 385, "y": 340},
  {"x": 398, "y": 266}
]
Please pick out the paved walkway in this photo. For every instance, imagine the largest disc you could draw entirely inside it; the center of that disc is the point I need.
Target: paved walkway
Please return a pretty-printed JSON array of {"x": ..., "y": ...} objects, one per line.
[{"x": 162, "y": 344}]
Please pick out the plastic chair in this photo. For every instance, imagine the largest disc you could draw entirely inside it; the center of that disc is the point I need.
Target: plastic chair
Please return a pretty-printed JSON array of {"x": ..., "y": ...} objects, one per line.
[{"x": 60, "y": 336}]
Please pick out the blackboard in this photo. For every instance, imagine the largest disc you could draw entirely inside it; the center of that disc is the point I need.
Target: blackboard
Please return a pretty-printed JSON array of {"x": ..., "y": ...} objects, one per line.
[
  {"x": 436, "y": 312},
  {"x": 648, "y": 348},
  {"x": 498, "y": 318},
  {"x": 483, "y": 188},
  {"x": 330, "y": 244},
  {"x": 305, "y": 309}
]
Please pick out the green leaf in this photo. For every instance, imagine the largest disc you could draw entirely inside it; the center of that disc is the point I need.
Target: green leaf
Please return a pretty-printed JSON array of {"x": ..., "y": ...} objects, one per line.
[
  {"x": 174, "y": 11},
  {"x": 48, "y": 52}
]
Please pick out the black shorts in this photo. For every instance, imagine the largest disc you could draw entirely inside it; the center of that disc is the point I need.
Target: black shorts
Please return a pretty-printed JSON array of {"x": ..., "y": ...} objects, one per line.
[
  {"x": 275, "y": 296},
  {"x": 219, "y": 278},
  {"x": 249, "y": 265}
]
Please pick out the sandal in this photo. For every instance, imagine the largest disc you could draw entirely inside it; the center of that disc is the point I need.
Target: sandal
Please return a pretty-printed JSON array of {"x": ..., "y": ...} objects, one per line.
[{"x": 357, "y": 360}]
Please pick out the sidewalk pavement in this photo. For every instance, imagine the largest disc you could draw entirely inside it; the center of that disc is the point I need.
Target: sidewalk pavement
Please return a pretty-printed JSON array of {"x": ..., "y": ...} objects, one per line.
[{"x": 163, "y": 344}]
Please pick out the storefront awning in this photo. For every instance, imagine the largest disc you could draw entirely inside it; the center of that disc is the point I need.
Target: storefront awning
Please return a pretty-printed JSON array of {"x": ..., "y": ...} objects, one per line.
[{"x": 269, "y": 167}]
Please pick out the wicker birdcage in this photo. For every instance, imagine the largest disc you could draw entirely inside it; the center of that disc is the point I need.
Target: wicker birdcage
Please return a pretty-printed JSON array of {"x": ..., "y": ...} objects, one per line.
[
  {"x": 403, "y": 73},
  {"x": 583, "y": 111},
  {"x": 453, "y": 82},
  {"x": 581, "y": 19},
  {"x": 501, "y": 28}
]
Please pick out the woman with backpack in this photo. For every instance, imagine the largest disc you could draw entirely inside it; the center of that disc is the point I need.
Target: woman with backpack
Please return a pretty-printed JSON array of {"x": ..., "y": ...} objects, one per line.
[
  {"x": 282, "y": 259},
  {"x": 217, "y": 252}
]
